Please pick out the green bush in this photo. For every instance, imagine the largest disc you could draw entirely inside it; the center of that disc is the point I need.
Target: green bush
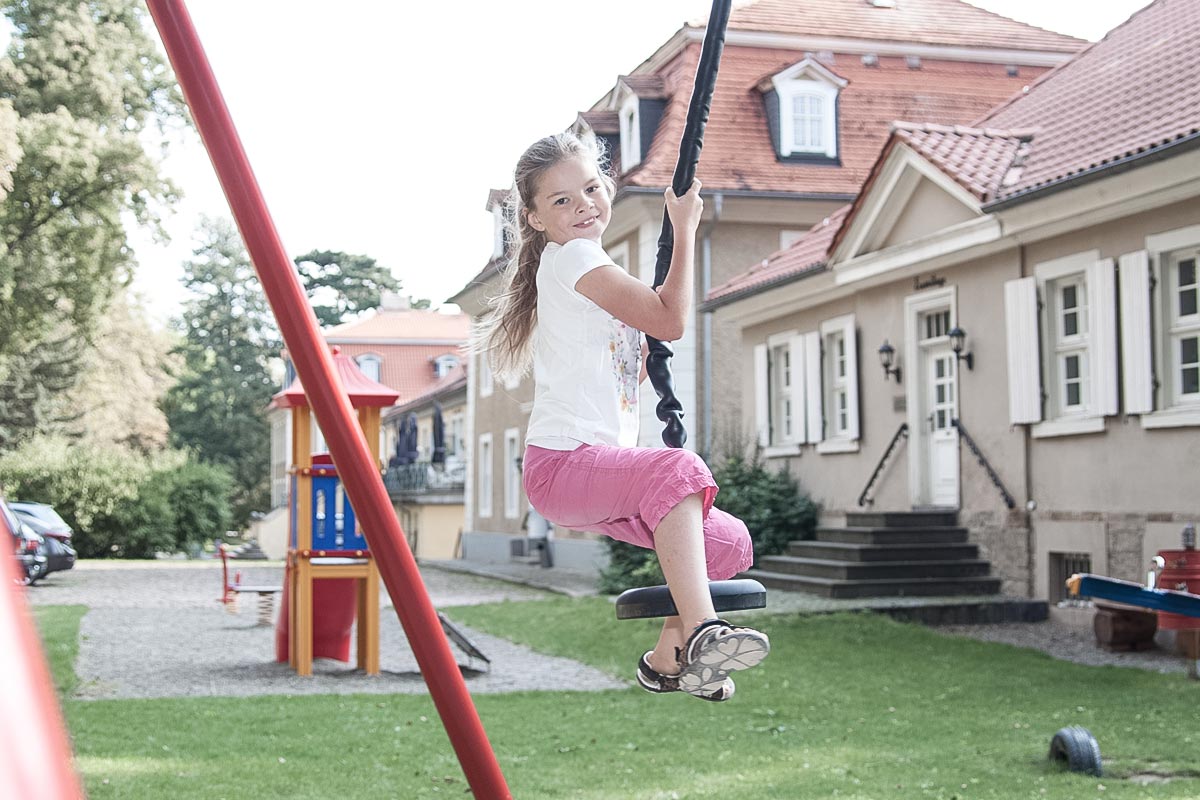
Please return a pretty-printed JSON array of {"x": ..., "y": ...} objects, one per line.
[
  {"x": 771, "y": 504},
  {"x": 121, "y": 504}
]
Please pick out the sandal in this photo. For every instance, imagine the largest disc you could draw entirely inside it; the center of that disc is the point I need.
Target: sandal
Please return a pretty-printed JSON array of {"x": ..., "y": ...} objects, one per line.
[
  {"x": 715, "y": 649},
  {"x": 657, "y": 683}
]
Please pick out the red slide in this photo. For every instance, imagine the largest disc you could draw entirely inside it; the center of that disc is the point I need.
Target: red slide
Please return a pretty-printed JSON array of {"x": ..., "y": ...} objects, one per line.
[{"x": 334, "y": 607}]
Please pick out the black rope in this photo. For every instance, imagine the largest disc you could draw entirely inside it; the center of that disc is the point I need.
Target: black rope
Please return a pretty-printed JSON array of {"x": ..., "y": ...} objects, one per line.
[{"x": 658, "y": 362}]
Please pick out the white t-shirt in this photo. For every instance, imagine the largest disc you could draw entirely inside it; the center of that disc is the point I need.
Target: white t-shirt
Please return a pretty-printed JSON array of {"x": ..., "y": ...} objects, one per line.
[{"x": 585, "y": 361}]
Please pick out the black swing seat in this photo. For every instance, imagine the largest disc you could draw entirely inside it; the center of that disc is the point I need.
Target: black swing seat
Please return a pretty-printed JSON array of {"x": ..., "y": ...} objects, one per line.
[{"x": 655, "y": 601}]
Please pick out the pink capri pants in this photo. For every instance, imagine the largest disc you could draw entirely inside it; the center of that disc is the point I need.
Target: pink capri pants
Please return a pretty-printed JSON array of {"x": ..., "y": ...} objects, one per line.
[{"x": 624, "y": 492}]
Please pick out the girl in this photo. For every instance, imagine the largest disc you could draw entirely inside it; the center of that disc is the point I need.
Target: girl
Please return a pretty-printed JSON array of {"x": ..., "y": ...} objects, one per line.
[{"x": 579, "y": 318}]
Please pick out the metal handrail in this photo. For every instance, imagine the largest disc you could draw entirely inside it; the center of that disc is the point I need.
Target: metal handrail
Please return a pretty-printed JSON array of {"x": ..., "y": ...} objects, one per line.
[
  {"x": 983, "y": 462},
  {"x": 901, "y": 433}
]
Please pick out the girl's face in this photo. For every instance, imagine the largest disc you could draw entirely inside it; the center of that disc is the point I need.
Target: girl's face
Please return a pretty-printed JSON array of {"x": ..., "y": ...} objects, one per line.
[{"x": 571, "y": 202}]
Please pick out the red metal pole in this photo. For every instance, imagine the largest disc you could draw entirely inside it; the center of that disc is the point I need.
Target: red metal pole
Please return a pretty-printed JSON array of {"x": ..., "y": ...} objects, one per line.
[
  {"x": 314, "y": 365},
  {"x": 35, "y": 754}
]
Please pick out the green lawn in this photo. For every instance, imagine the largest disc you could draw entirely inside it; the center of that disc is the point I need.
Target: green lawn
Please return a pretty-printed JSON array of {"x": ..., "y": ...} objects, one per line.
[{"x": 846, "y": 706}]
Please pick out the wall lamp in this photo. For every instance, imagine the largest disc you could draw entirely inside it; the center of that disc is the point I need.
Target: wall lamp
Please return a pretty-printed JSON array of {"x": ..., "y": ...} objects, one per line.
[
  {"x": 887, "y": 357},
  {"x": 958, "y": 339}
]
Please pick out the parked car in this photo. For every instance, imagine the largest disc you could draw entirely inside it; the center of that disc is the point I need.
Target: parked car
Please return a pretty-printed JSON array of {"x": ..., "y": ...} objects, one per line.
[
  {"x": 46, "y": 522},
  {"x": 28, "y": 546}
]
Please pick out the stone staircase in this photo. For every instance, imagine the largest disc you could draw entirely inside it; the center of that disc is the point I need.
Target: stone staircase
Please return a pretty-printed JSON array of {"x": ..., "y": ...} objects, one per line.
[{"x": 883, "y": 554}]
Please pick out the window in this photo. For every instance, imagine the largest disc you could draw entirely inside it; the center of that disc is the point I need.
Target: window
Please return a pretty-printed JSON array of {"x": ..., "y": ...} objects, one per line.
[
  {"x": 779, "y": 385},
  {"x": 1160, "y": 329},
  {"x": 486, "y": 384},
  {"x": 789, "y": 238},
  {"x": 455, "y": 435},
  {"x": 1182, "y": 327},
  {"x": 835, "y": 345},
  {"x": 512, "y": 474},
  {"x": 485, "y": 475},
  {"x": 369, "y": 364},
  {"x": 839, "y": 381},
  {"x": 631, "y": 135},
  {"x": 443, "y": 365},
  {"x": 1069, "y": 339},
  {"x": 1062, "y": 349},
  {"x": 807, "y": 95},
  {"x": 497, "y": 231},
  {"x": 808, "y": 122},
  {"x": 781, "y": 394}
]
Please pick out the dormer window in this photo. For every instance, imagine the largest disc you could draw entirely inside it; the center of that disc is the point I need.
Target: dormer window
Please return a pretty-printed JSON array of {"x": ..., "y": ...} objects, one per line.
[
  {"x": 631, "y": 134},
  {"x": 442, "y": 365},
  {"x": 638, "y": 101},
  {"x": 802, "y": 107},
  {"x": 370, "y": 364},
  {"x": 498, "y": 231}
]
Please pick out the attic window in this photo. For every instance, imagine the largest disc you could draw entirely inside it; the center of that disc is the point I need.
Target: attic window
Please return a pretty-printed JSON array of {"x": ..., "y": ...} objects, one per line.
[
  {"x": 631, "y": 134},
  {"x": 369, "y": 364},
  {"x": 497, "y": 231},
  {"x": 807, "y": 95},
  {"x": 442, "y": 365}
]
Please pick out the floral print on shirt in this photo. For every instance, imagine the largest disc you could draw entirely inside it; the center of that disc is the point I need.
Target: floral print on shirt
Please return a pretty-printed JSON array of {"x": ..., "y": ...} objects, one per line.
[{"x": 625, "y": 346}]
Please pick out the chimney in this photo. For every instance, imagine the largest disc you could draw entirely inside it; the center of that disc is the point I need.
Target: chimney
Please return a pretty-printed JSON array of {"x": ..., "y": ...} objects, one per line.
[{"x": 391, "y": 301}]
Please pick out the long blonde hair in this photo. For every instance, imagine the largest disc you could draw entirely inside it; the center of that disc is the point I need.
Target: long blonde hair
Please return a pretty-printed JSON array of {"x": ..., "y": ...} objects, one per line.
[{"x": 505, "y": 335}]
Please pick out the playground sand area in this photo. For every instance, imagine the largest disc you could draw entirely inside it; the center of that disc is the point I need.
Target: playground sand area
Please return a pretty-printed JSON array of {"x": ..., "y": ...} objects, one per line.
[{"x": 156, "y": 629}]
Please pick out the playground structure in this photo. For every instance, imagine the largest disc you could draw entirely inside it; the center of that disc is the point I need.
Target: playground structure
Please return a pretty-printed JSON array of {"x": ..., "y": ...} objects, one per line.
[
  {"x": 331, "y": 576},
  {"x": 1173, "y": 591},
  {"x": 231, "y": 589}
]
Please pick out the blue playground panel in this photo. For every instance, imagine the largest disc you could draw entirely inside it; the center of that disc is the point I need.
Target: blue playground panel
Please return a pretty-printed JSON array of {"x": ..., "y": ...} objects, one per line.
[{"x": 334, "y": 526}]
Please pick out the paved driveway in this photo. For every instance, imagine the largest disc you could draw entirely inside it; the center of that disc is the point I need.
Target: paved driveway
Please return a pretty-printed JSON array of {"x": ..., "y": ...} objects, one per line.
[{"x": 155, "y": 629}]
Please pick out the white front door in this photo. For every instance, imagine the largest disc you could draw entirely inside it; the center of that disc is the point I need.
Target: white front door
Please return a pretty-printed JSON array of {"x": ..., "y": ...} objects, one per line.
[{"x": 939, "y": 410}]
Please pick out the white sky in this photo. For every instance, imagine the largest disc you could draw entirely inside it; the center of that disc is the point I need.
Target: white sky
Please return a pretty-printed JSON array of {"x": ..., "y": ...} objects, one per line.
[{"x": 379, "y": 128}]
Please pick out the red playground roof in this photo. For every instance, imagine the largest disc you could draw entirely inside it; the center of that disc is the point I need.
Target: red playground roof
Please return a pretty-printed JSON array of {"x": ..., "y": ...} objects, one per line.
[{"x": 363, "y": 391}]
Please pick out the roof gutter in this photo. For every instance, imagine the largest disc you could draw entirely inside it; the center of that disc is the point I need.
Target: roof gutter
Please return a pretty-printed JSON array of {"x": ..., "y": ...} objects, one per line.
[
  {"x": 733, "y": 297},
  {"x": 768, "y": 195},
  {"x": 1181, "y": 145}
]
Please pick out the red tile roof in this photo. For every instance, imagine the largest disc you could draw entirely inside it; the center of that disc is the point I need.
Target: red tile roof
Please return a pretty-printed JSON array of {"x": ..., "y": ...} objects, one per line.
[
  {"x": 739, "y": 153},
  {"x": 363, "y": 391},
  {"x": 934, "y": 22},
  {"x": 604, "y": 122},
  {"x": 402, "y": 326},
  {"x": 454, "y": 380},
  {"x": 1137, "y": 89},
  {"x": 406, "y": 368},
  {"x": 647, "y": 87},
  {"x": 807, "y": 254},
  {"x": 980, "y": 160}
]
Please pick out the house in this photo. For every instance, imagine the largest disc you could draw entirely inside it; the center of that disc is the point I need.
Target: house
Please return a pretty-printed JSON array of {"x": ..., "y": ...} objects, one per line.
[
  {"x": 427, "y": 485},
  {"x": 802, "y": 105},
  {"x": 398, "y": 346},
  {"x": 1005, "y": 322}
]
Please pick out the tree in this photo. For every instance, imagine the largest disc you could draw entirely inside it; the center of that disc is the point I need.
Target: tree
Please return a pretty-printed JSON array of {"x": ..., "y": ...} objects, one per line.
[
  {"x": 217, "y": 409},
  {"x": 124, "y": 374},
  {"x": 340, "y": 285},
  {"x": 80, "y": 84}
]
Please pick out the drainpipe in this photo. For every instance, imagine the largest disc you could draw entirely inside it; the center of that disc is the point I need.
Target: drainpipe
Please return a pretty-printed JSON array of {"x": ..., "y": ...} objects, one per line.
[
  {"x": 706, "y": 320},
  {"x": 1030, "y": 501}
]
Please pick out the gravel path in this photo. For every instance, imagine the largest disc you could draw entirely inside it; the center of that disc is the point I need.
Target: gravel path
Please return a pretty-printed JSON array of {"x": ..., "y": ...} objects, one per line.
[{"x": 155, "y": 629}]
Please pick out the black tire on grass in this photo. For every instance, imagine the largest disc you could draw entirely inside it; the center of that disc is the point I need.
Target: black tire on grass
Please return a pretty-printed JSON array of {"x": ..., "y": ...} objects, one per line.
[{"x": 1077, "y": 750}]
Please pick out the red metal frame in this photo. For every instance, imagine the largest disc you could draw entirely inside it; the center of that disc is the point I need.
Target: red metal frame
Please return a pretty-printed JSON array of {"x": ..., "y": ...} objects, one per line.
[
  {"x": 329, "y": 402},
  {"x": 35, "y": 756}
]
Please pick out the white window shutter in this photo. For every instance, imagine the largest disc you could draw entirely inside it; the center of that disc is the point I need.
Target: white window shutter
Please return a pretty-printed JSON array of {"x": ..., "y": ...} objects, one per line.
[
  {"x": 762, "y": 396},
  {"x": 799, "y": 378},
  {"x": 1024, "y": 355},
  {"x": 1136, "y": 345},
  {"x": 1102, "y": 310},
  {"x": 850, "y": 336},
  {"x": 813, "y": 406}
]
